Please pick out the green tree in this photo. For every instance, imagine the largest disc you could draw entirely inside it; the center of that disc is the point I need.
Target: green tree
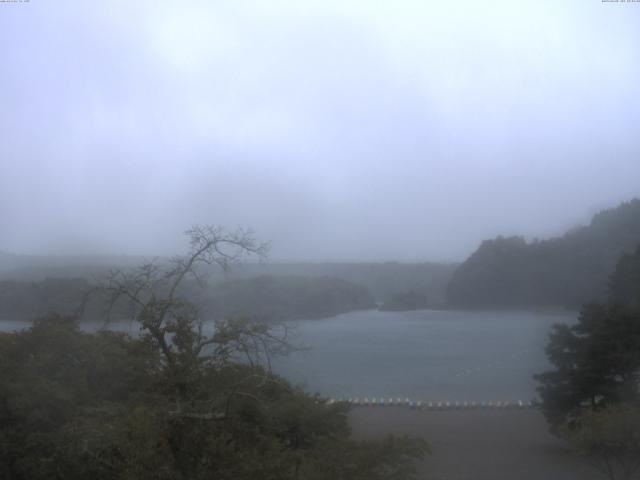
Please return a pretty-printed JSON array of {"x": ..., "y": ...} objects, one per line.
[
  {"x": 609, "y": 439},
  {"x": 597, "y": 362},
  {"x": 173, "y": 402},
  {"x": 591, "y": 397},
  {"x": 624, "y": 283}
]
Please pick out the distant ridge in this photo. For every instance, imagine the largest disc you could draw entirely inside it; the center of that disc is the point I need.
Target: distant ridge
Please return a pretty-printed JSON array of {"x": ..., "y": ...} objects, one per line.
[{"x": 565, "y": 271}]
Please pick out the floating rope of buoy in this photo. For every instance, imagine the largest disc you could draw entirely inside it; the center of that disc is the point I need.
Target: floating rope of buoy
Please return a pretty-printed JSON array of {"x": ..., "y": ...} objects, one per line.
[{"x": 433, "y": 405}]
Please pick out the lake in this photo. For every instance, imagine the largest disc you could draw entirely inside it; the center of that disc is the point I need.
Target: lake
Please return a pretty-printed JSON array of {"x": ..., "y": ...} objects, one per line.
[
  {"x": 433, "y": 355},
  {"x": 429, "y": 354}
]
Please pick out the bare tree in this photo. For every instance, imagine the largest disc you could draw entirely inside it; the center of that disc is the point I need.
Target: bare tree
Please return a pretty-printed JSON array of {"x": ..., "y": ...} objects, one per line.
[{"x": 153, "y": 293}]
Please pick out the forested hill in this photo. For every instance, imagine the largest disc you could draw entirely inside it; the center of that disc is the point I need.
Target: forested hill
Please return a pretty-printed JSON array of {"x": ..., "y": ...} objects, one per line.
[
  {"x": 565, "y": 271},
  {"x": 265, "y": 298},
  {"x": 382, "y": 279},
  {"x": 275, "y": 298}
]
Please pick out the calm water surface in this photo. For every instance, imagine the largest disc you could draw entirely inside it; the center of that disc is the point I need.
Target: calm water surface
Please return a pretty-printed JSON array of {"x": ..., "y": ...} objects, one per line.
[{"x": 428, "y": 354}]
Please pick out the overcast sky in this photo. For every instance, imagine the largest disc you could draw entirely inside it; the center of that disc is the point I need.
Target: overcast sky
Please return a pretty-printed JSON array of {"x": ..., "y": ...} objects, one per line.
[{"x": 339, "y": 130}]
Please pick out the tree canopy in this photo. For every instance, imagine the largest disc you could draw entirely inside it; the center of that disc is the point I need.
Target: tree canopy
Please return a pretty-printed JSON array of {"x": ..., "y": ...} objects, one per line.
[
  {"x": 592, "y": 396},
  {"x": 570, "y": 270},
  {"x": 177, "y": 401},
  {"x": 597, "y": 360},
  {"x": 609, "y": 438}
]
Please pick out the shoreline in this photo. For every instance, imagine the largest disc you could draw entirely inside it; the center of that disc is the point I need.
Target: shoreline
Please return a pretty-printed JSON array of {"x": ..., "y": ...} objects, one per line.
[{"x": 477, "y": 444}]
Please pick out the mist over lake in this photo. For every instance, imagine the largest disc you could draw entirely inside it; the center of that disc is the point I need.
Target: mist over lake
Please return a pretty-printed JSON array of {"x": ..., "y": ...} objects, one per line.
[
  {"x": 231, "y": 231},
  {"x": 427, "y": 354}
]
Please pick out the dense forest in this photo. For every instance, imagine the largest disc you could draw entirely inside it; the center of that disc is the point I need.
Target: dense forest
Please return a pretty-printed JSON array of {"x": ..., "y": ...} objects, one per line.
[
  {"x": 173, "y": 403},
  {"x": 31, "y": 286},
  {"x": 276, "y": 298},
  {"x": 590, "y": 396},
  {"x": 566, "y": 271},
  {"x": 383, "y": 279},
  {"x": 264, "y": 298}
]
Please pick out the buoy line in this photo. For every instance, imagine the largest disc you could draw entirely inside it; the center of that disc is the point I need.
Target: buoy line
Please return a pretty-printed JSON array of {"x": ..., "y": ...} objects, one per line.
[{"x": 434, "y": 405}]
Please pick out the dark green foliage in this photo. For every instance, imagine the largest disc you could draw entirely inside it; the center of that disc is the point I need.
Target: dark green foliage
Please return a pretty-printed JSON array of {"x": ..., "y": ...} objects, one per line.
[
  {"x": 609, "y": 438},
  {"x": 174, "y": 403},
  {"x": 624, "y": 283},
  {"x": 105, "y": 405},
  {"x": 596, "y": 361},
  {"x": 566, "y": 271},
  {"x": 50, "y": 375}
]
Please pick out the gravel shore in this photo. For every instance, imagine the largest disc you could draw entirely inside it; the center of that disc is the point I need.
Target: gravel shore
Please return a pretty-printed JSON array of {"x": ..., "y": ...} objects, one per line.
[{"x": 478, "y": 444}]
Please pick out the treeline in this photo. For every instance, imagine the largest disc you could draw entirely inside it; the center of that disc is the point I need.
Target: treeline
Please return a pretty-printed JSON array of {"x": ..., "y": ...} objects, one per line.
[
  {"x": 264, "y": 298},
  {"x": 27, "y": 300},
  {"x": 173, "y": 403},
  {"x": 383, "y": 280},
  {"x": 276, "y": 298},
  {"x": 411, "y": 300},
  {"x": 36, "y": 268},
  {"x": 566, "y": 271}
]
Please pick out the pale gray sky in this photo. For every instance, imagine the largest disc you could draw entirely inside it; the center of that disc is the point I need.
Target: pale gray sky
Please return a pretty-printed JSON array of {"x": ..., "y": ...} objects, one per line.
[{"x": 358, "y": 130}]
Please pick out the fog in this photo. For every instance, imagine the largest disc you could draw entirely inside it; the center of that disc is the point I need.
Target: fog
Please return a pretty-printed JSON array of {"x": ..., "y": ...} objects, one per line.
[{"x": 338, "y": 130}]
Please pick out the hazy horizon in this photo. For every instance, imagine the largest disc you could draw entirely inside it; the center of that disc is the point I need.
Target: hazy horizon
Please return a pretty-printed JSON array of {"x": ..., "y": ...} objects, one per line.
[
  {"x": 338, "y": 131},
  {"x": 284, "y": 260}
]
